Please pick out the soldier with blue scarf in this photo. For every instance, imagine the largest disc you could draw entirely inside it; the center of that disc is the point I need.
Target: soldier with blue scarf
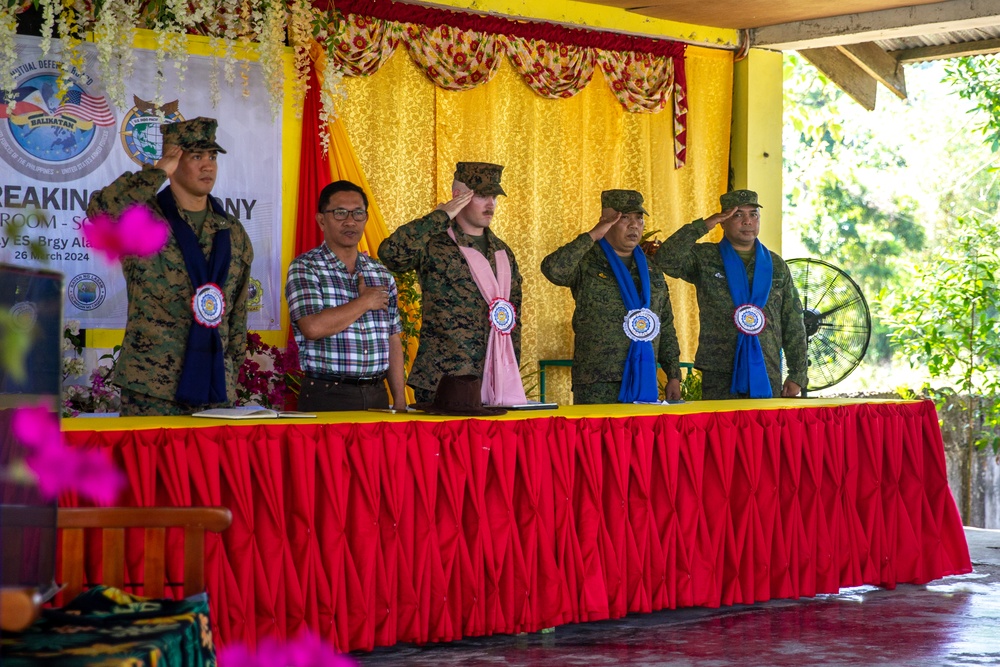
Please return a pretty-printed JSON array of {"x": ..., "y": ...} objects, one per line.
[
  {"x": 623, "y": 321},
  {"x": 749, "y": 309}
]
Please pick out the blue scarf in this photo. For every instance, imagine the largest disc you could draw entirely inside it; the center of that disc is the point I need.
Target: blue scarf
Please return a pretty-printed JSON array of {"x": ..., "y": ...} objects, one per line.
[
  {"x": 639, "y": 378},
  {"x": 749, "y": 372},
  {"x": 203, "y": 375}
]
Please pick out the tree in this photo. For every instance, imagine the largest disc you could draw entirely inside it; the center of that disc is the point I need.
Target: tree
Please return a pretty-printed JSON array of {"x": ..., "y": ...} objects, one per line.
[
  {"x": 867, "y": 240},
  {"x": 977, "y": 79},
  {"x": 948, "y": 321}
]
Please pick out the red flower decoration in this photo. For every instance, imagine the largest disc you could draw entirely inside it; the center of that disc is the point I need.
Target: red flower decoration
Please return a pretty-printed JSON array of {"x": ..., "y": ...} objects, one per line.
[
  {"x": 618, "y": 86},
  {"x": 360, "y": 42},
  {"x": 359, "y": 21},
  {"x": 461, "y": 80},
  {"x": 445, "y": 32},
  {"x": 476, "y": 76},
  {"x": 540, "y": 50},
  {"x": 432, "y": 71},
  {"x": 563, "y": 51},
  {"x": 460, "y": 59},
  {"x": 474, "y": 45},
  {"x": 344, "y": 47}
]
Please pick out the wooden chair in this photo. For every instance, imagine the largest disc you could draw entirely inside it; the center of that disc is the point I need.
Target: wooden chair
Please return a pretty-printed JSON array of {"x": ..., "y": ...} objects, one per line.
[{"x": 114, "y": 520}]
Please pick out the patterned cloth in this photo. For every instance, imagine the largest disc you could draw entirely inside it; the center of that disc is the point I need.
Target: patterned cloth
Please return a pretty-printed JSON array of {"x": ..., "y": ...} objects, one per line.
[
  {"x": 701, "y": 264},
  {"x": 455, "y": 324},
  {"x": 160, "y": 292},
  {"x": 318, "y": 279},
  {"x": 601, "y": 344},
  {"x": 107, "y": 627}
]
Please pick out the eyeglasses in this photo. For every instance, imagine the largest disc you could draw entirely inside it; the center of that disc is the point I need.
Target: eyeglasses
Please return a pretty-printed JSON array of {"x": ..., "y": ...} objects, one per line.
[{"x": 359, "y": 214}]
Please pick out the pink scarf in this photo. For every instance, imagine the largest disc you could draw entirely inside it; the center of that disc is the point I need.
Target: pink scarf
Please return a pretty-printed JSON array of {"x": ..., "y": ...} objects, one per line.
[{"x": 501, "y": 376}]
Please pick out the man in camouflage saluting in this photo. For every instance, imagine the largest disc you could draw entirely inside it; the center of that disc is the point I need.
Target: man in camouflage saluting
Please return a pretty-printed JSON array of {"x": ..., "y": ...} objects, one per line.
[
  {"x": 458, "y": 322},
  {"x": 185, "y": 337},
  {"x": 749, "y": 307},
  {"x": 607, "y": 329}
]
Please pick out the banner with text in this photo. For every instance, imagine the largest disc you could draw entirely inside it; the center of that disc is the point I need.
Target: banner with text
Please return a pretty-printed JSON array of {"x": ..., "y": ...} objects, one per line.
[{"x": 55, "y": 150}]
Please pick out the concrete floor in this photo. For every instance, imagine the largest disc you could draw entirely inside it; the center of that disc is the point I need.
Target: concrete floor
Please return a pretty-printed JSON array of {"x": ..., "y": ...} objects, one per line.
[{"x": 951, "y": 621}]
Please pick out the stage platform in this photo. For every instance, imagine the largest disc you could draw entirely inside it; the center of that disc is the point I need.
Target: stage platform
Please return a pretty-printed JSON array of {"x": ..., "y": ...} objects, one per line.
[{"x": 372, "y": 529}]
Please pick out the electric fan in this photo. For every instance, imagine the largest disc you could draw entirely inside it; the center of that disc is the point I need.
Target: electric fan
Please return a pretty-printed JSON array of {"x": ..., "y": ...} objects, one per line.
[{"x": 838, "y": 324}]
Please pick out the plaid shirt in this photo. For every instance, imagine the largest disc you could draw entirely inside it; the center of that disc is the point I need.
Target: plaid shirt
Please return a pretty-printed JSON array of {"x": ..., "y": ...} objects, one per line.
[{"x": 318, "y": 280}]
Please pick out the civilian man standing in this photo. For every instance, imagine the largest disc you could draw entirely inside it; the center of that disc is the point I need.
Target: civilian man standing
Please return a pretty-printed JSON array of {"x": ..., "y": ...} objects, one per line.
[{"x": 344, "y": 314}]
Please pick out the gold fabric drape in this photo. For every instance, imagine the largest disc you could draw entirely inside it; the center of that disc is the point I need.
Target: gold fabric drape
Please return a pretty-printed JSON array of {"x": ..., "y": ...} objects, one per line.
[{"x": 559, "y": 156}]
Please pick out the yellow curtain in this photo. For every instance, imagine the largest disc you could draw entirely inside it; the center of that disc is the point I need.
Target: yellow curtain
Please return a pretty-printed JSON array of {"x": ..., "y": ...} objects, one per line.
[{"x": 559, "y": 156}]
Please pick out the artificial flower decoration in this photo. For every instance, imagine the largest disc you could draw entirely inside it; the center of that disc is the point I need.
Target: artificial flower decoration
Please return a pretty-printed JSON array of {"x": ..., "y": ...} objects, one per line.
[
  {"x": 58, "y": 467},
  {"x": 307, "y": 650},
  {"x": 137, "y": 232}
]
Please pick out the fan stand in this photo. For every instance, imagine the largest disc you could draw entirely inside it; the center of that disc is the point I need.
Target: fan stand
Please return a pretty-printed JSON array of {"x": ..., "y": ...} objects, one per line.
[{"x": 811, "y": 318}]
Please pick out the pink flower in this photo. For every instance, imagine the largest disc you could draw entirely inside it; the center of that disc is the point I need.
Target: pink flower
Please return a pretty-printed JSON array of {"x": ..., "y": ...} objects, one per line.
[
  {"x": 61, "y": 468},
  {"x": 137, "y": 232},
  {"x": 307, "y": 650}
]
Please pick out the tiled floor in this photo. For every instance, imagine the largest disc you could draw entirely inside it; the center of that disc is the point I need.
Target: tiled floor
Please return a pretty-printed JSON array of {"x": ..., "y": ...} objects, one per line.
[{"x": 953, "y": 621}]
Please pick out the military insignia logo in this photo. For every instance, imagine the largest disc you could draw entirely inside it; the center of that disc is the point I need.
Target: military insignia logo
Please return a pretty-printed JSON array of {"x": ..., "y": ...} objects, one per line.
[
  {"x": 255, "y": 295},
  {"x": 502, "y": 315},
  {"x": 208, "y": 305},
  {"x": 140, "y": 131},
  {"x": 86, "y": 291},
  {"x": 52, "y": 136},
  {"x": 641, "y": 324},
  {"x": 749, "y": 319}
]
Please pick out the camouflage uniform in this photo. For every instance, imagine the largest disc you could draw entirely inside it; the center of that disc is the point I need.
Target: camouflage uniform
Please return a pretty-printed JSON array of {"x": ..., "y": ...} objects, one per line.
[
  {"x": 455, "y": 326},
  {"x": 160, "y": 293},
  {"x": 601, "y": 346},
  {"x": 701, "y": 264}
]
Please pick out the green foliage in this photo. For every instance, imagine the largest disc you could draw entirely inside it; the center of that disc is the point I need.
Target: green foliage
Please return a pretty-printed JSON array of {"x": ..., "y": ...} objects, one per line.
[
  {"x": 865, "y": 238},
  {"x": 691, "y": 386},
  {"x": 977, "y": 79},
  {"x": 15, "y": 341},
  {"x": 410, "y": 310},
  {"x": 947, "y": 320}
]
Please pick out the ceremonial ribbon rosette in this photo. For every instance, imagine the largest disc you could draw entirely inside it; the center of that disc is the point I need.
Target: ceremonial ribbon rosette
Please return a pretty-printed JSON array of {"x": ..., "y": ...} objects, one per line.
[
  {"x": 208, "y": 305},
  {"x": 641, "y": 324},
  {"x": 503, "y": 317},
  {"x": 749, "y": 319}
]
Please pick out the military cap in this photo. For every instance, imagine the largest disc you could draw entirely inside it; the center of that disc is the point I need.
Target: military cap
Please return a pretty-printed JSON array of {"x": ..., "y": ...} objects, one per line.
[
  {"x": 482, "y": 178},
  {"x": 197, "y": 134},
  {"x": 739, "y": 198},
  {"x": 623, "y": 201}
]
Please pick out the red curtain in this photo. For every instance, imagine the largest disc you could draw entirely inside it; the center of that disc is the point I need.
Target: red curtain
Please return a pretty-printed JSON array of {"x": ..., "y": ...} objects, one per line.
[
  {"x": 314, "y": 172},
  {"x": 376, "y": 533}
]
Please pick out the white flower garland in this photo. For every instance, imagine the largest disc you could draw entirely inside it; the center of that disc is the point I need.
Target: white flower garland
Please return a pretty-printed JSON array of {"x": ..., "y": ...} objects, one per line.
[{"x": 114, "y": 34}]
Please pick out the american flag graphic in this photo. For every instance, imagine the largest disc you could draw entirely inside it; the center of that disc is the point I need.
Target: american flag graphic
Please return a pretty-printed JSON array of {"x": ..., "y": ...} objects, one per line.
[{"x": 82, "y": 106}]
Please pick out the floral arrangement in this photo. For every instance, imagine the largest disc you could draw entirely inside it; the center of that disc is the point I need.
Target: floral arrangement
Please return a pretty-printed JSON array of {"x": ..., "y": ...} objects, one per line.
[
  {"x": 100, "y": 395},
  {"x": 236, "y": 29},
  {"x": 268, "y": 385}
]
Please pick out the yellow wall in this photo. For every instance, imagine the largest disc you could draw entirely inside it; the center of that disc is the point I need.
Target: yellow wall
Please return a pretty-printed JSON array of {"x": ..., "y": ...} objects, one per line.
[{"x": 756, "y": 148}]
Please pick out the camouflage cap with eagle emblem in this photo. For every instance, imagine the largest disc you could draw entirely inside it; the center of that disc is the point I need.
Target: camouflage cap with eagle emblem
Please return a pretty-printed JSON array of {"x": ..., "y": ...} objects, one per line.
[
  {"x": 623, "y": 201},
  {"x": 739, "y": 198},
  {"x": 197, "y": 134}
]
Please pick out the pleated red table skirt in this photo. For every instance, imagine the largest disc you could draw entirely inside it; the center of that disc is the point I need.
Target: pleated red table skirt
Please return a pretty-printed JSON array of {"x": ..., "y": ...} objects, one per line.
[{"x": 426, "y": 531}]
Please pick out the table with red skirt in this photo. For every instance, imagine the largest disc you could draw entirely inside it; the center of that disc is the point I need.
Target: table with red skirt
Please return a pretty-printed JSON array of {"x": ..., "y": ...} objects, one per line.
[{"x": 371, "y": 529}]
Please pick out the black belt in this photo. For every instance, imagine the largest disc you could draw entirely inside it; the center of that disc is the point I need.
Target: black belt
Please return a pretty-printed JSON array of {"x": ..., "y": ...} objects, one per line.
[{"x": 346, "y": 379}]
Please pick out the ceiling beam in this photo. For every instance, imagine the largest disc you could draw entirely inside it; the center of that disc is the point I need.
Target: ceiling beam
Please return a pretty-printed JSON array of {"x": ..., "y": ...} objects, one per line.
[
  {"x": 878, "y": 64},
  {"x": 922, "y": 53},
  {"x": 938, "y": 17},
  {"x": 844, "y": 72}
]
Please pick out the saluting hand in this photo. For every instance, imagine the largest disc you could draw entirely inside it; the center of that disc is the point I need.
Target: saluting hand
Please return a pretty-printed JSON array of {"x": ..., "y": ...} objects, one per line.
[
  {"x": 456, "y": 204},
  {"x": 609, "y": 217},
  {"x": 171, "y": 158},
  {"x": 713, "y": 220},
  {"x": 375, "y": 297}
]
